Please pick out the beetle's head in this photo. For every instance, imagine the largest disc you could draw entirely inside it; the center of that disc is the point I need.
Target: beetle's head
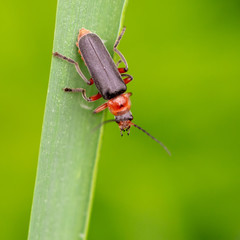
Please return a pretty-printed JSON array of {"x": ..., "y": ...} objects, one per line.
[{"x": 124, "y": 121}]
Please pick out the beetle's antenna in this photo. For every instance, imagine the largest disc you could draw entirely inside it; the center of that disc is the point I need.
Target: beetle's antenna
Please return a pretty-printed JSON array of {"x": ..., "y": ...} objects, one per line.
[
  {"x": 102, "y": 123},
  {"x": 165, "y": 148}
]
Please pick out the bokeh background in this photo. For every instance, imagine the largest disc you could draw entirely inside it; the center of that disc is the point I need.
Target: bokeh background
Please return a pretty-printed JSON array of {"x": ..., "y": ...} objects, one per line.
[{"x": 185, "y": 59}]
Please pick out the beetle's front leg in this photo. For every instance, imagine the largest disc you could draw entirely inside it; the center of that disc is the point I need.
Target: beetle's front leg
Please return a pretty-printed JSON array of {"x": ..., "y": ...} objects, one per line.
[{"x": 101, "y": 108}]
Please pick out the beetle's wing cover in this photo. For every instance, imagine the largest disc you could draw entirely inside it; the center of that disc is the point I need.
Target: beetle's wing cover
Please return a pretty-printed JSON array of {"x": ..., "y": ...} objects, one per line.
[{"x": 101, "y": 66}]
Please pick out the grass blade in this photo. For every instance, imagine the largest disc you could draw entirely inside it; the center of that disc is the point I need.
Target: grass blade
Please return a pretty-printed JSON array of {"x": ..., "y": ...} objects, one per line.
[{"x": 69, "y": 149}]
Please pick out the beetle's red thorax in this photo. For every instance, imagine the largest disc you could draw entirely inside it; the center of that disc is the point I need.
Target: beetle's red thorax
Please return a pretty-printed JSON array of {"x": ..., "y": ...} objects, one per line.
[{"x": 120, "y": 104}]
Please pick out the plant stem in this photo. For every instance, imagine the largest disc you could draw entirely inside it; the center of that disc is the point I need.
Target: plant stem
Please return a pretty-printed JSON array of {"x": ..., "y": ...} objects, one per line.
[{"x": 69, "y": 148}]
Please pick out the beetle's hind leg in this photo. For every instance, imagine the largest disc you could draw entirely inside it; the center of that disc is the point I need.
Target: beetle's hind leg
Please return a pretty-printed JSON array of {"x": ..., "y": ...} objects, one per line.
[
  {"x": 83, "y": 91},
  {"x": 56, "y": 54},
  {"x": 121, "y": 70}
]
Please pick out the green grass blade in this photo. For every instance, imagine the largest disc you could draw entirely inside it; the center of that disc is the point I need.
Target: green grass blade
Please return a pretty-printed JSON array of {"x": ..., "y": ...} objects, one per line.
[{"x": 69, "y": 147}]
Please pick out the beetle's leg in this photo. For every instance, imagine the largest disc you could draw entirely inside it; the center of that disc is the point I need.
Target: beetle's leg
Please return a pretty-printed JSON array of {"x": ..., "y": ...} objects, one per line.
[
  {"x": 91, "y": 81},
  {"x": 121, "y": 70},
  {"x": 101, "y": 108},
  {"x": 56, "y": 54},
  {"x": 95, "y": 97},
  {"x": 118, "y": 62},
  {"x": 128, "y": 78},
  {"x": 118, "y": 52},
  {"x": 83, "y": 91}
]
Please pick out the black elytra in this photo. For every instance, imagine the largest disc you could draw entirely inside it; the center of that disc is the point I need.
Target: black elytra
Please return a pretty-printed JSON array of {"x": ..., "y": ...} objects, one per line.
[{"x": 101, "y": 66}]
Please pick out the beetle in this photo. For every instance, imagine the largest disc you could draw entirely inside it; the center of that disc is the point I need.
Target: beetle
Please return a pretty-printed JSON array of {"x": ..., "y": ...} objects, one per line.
[{"x": 109, "y": 79}]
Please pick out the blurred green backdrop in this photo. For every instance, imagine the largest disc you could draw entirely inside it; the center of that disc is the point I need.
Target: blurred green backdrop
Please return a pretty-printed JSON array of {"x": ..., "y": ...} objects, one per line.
[{"x": 185, "y": 58}]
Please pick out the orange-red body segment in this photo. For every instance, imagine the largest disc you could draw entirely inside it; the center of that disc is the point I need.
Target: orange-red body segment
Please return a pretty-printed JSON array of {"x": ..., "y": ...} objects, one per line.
[
  {"x": 82, "y": 32},
  {"x": 120, "y": 104}
]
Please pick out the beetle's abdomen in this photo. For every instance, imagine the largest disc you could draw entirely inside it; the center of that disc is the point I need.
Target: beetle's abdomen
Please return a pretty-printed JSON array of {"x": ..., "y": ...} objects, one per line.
[{"x": 101, "y": 66}]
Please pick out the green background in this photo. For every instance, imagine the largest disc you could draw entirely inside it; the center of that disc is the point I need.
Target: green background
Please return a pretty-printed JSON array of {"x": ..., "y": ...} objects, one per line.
[{"x": 185, "y": 58}]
